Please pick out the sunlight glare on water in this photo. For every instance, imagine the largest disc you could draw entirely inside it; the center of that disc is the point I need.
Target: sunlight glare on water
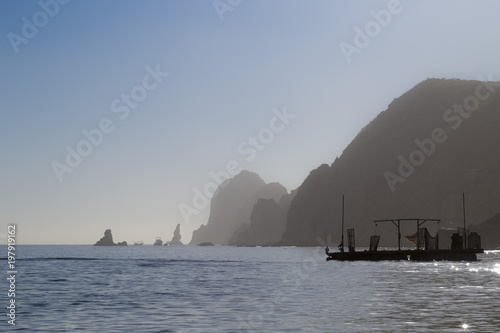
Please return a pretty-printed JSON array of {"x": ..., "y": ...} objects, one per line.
[{"x": 497, "y": 268}]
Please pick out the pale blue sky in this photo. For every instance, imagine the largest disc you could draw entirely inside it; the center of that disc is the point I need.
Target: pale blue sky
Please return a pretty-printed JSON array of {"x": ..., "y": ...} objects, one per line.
[{"x": 225, "y": 79}]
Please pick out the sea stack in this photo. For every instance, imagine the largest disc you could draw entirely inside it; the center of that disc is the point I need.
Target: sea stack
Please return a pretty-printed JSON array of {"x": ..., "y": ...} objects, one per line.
[
  {"x": 176, "y": 240},
  {"x": 107, "y": 240}
]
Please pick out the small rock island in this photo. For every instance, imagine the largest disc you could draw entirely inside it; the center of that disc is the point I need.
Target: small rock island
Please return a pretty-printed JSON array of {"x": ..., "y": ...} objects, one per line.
[{"x": 107, "y": 240}]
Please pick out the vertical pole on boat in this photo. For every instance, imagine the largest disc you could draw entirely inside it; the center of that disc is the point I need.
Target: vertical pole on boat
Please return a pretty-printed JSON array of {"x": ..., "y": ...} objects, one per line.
[
  {"x": 418, "y": 235},
  {"x": 399, "y": 235},
  {"x": 342, "y": 241},
  {"x": 465, "y": 236}
]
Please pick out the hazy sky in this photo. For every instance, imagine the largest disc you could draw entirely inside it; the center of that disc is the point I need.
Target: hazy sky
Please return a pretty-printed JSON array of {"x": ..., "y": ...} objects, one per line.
[{"x": 158, "y": 94}]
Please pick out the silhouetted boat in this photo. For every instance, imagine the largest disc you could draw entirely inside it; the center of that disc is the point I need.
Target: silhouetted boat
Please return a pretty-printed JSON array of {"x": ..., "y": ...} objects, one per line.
[
  {"x": 427, "y": 247},
  {"x": 158, "y": 242},
  {"x": 139, "y": 243}
]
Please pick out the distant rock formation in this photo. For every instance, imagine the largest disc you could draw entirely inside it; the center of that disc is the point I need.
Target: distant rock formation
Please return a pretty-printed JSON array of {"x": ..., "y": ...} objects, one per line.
[
  {"x": 233, "y": 205},
  {"x": 489, "y": 231},
  {"x": 267, "y": 223},
  {"x": 107, "y": 240},
  {"x": 176, "y": 240},
  {"x": 415, "y": 159},
  {"x": 206, "y": 244}
]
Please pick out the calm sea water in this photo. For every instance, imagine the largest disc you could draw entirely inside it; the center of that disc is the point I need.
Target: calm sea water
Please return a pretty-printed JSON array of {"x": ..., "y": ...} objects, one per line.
[{"x": 227, "y": 289}]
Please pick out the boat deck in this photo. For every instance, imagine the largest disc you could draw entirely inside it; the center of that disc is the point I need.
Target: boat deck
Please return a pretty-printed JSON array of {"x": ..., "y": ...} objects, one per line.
[{"x": 414, "y": 255}]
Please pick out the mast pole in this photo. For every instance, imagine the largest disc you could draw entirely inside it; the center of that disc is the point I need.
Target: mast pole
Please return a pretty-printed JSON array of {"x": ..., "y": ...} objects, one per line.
[
  {"x": 418, "y": 234},
  {"x": 465, "y": 236},
  {"x": 399, "y": 235},
  {"x": 342, "y": 241}
]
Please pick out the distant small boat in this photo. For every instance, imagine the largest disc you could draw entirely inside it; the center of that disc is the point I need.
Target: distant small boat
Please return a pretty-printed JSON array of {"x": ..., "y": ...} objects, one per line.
[
  {"x": 158, "y": 242},
  {"x": 139, "y": 243}
]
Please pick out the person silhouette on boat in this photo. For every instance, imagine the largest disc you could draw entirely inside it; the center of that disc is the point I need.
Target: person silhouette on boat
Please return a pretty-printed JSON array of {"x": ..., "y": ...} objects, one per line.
[{"x": 327, "y": 250}]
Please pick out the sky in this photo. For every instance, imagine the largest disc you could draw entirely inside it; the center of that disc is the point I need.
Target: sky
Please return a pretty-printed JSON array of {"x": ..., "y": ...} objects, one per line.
[{"x": 120, "y": 114}]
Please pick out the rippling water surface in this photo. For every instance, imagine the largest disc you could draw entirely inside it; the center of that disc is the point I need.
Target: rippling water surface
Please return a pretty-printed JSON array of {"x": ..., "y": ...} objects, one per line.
[{"x": 227, "y": 289}]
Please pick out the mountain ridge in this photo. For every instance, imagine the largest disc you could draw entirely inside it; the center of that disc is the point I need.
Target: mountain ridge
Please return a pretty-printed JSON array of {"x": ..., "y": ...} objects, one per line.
[{"x": 466, "y": 161}]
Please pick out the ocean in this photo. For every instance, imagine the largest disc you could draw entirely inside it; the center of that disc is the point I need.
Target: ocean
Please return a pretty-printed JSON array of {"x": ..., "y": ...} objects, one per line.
[{"x": 231, "y": 289}]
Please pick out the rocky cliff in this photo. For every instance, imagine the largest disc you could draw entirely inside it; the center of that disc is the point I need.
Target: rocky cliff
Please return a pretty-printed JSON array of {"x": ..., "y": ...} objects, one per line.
[
  {"x": 414, "y": 159},
  {"x": 232, "y": 206},
  {"x": 267, "y": 223}
]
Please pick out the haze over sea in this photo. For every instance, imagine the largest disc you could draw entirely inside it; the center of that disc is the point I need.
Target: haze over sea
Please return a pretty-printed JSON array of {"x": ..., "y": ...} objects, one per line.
[{"x": 229, "y": 289}]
